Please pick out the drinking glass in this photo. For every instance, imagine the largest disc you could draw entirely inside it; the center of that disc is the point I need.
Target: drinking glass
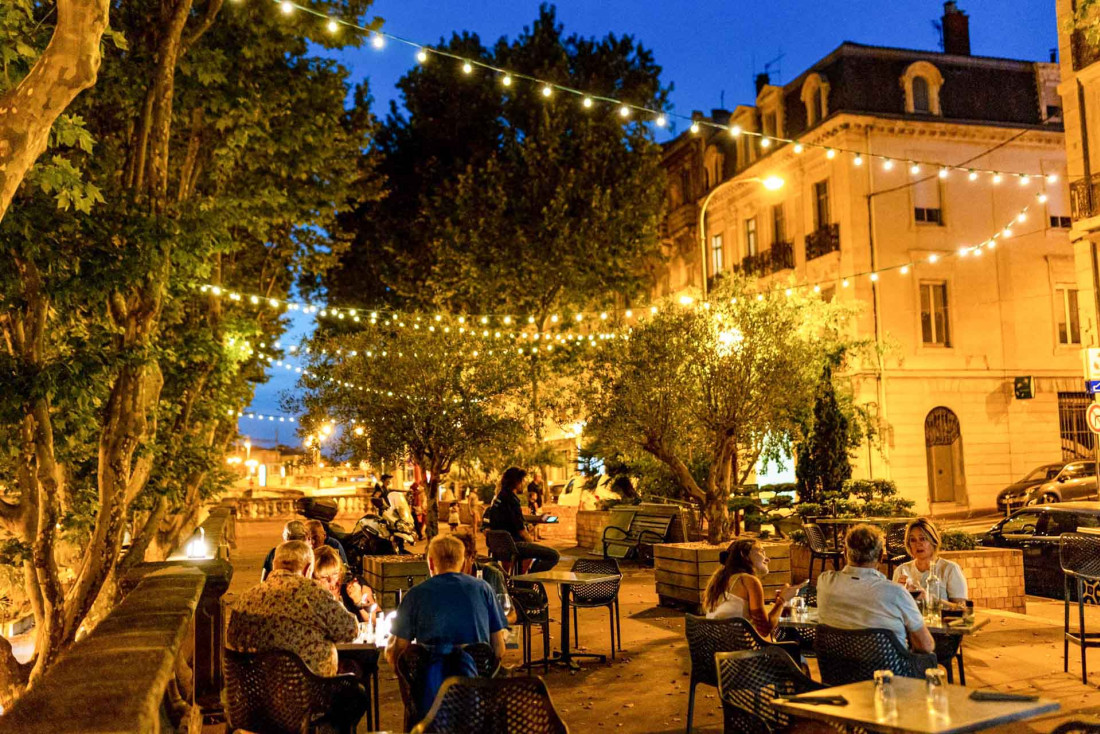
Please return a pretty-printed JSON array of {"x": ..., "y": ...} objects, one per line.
[
  {"x": 505, "y": 603},
  {"x": 364, "y": 632},
  {"x": 936, "y": 691},
  {"x": 886, "y": 702},
  {"x": 798, "y": 609}
]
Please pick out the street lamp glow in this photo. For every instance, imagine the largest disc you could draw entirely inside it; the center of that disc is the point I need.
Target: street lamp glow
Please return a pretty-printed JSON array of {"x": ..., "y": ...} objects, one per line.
[
  {"x": 686, "y": 300},
  {"x": 773, "y": 183}
]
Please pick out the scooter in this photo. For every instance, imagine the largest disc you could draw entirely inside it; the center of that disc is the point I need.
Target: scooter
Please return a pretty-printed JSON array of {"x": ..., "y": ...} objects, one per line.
[{"x": 373, "y": 534}]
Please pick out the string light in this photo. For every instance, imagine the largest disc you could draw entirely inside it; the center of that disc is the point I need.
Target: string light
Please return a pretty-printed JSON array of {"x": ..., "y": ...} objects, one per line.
[
  {"x": 887, "y": 164},
  {"x": 830, "y": 153},
  {"x": 546, "y": 90},
  {"x": 422, "y": 56},
  {"x": 378, "y": 40},
  {"x": 662, "y": 120},
  {"x": 286, "y": 7},
  {"x": 506, "y": 80},
  {"x": 694, "y": 127},
  {"x": 798, "y": 148},
  {"x": 943, "y": 173},
  {"x": 332, "y": 26},
  {"x": 467, "y": 68},
  {"x": 624, "y": 111}
]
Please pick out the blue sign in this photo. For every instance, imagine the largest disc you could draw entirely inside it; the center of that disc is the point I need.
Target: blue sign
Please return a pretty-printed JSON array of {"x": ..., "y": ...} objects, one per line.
[{"x": 1093, "y": 385}]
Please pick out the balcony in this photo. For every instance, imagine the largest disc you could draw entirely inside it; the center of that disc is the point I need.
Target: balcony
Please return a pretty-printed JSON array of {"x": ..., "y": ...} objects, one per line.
[
  {"x": 1085, "y": 52},
  {"x": 758, "y": 264},
  {"x": 823, "y": 241},
  {"x": 681, "y": 218},
  {"x": 1084, "y": 197},
  {"x": 782, "y": 256}
]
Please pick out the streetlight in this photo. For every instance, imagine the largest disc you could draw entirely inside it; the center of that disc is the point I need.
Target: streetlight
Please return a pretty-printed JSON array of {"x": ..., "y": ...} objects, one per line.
[{"x": 771, "y": 183}]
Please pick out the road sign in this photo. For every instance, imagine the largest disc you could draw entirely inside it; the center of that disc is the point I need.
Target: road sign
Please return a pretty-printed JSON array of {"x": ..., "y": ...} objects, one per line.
[
  {"x": 1092, "y": 363},
  {"x": 1023, "y": 387},
  {"x": 1093, "y": 386},
  {"x": 1092, "y": 417}
]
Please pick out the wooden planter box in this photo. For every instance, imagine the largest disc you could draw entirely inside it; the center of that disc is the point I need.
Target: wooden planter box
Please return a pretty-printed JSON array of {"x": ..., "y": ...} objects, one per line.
[
  {"x": 683, "y": 569},
  {"x": 388, "y": 575},
  {"x": 994, "y": 576},
  {"x": 590, "y": 525}
]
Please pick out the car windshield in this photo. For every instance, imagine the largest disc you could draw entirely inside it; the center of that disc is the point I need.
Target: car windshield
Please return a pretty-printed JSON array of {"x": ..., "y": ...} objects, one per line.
[
  {"x": 1043, "y": 472},
  {"x": 1078, "y": 469},
  {"x": 1022, "y": 523}
]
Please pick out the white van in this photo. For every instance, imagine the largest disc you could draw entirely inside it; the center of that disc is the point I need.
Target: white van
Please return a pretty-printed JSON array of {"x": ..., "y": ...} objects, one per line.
[{"x": 573, "y": 493}]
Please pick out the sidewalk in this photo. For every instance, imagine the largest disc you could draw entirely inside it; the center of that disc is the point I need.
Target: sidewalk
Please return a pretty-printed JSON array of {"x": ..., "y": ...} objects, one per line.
[{"x": 645, "y": 689}]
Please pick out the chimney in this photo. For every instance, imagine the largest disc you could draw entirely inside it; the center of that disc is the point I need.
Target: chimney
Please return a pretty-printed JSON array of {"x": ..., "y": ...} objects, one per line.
[
  {"x": 762, "y": 80},
  {"x": 720, "y": 116},
  {"x": 956, "y": 30}
]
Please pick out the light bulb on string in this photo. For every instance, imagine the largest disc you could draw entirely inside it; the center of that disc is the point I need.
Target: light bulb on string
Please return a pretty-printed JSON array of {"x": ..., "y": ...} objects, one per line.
[
  {"x": 332, "y": 26},
  {"x": 735, "y": 131},
  {"x": 858, "y": 160},
  {"x": 844, "y": 283},
  {"x": 546, "y": 90},
  {"x": 914, "y": 168},
  {"x": 765, "y": 142},
  {"x": 286, "y": 7},
  {"x": 1024, "y": 179},
  {"x": 1042, "y": 198},
  {"x": 943, "y": 173},
  {"x": 798, "y": 147},
  {"x": 422, "y": 56},
  {"x": 467, "y": 68},
  {"x": 996, "y": 178},
  {"x": 624, "y": 111},
  {"x": 874, "y": 277},
  {"x": 694, "y": 125},
  {"x": 817, "y": 289},
  {"x": 1021, "y": 217},
  {"x": 378, "y": 40},
  {"x": 830, "y": 153},
  {"x": 1052, "y": 177},
  {"x": 1006, "y": 233},
  {"x": 887, "y": 164},
  {"x": 973, "y": 175},
  {"x": 506, "y": 80},
  {"x": 933, "y": 258},
  {"x": 964, "y": 251},
  {"x": 905, "y": 270},
  {"x": 661, "y": 120}
]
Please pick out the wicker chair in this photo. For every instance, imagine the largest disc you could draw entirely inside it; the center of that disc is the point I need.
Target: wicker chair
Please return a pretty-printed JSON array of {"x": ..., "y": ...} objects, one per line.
[
  {"x": 896, "y": 552},
  {"x": 591, "y": 596},
  {"x": 803, "y": 636},
  {"x": 502, "y": 706},
  {"x": 819, "y": 548},
  {"x": 1080, "y": 558},
  {"x": 413, "y": 662},
  {"x": 276, "y": 693},
  {"x": 848, "y": 656},
  {"x": 709, "y": 636},
  {"x": 747, "y": 683}
]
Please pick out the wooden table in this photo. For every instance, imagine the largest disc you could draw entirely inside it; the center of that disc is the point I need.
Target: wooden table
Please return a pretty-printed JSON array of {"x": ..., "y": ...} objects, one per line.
[
  {"x": 963, "y": 714},
  {"x": 366, "y": 657},
  {"x": 962, "y": 628},
  {"x": 567, "y": 580}
]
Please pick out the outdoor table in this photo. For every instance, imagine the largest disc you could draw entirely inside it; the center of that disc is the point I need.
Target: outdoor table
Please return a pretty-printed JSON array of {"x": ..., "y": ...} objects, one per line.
[
  {"x": 913, "y": 715},
  {"x": 365, "y": 655},
  {"x": 961, "y": 627},
  {"x": 567, "y": 580}
]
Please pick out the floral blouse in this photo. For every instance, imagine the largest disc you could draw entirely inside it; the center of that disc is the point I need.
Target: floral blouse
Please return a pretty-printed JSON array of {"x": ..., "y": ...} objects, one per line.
[{"x": 290, "y": 612}]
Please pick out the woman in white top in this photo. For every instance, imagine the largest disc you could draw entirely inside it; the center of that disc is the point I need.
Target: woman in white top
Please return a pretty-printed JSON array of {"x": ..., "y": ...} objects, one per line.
[
  {"x": 734, "y": 590},
  {"x": 922, "y": 540}
]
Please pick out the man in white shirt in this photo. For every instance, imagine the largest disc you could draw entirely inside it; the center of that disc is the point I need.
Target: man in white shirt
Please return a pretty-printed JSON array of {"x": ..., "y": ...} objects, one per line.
[{"x": 860, "y": 597}]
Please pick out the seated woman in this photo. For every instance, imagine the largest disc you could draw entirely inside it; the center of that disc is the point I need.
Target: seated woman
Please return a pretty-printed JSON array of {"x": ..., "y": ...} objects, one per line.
[
  {"x": 922, "y": 540},
  {"x": 328, "y": 571},
  {"x": 734, "y": 590}
]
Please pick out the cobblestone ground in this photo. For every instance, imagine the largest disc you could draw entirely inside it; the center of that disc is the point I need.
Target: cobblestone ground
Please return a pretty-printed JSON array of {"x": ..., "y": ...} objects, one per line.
[{"x": 645, "y": 688}]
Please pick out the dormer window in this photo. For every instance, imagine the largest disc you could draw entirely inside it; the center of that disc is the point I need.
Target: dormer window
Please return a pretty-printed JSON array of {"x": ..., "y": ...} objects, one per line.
[
  {"x": 815, "y": 95},
  {"x": 922, "y": 82}
]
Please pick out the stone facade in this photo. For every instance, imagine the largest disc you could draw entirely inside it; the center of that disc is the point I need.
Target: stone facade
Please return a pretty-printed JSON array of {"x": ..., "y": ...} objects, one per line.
[{"x": 954, "y": 432}]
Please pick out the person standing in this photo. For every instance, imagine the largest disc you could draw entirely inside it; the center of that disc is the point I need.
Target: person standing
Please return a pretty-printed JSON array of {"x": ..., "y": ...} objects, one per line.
[
  {"x": 419, "y": 508},
  {"x": 506, "y": 514}
]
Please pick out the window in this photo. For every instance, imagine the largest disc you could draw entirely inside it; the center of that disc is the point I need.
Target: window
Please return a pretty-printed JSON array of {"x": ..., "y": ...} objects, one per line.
[
  {"x": 1079, "y": 470},
  {"x": 751, "y": 245},
  {"x": 1057, "y": 222},
  {"x": 821, "y": 204},
  {"x": 779, "y": 224},
  {"x": 716, "y": 259},
  {"x": 1069, "y": 326},
  {"x": 819, "y": 105},
  {"x": 1078, "y": 442},
  {"x": 815, "y": 95},
  {"x": 1057, "y": 193},
  {"x": 769, "y": 125},
  {"x": 927, "y": 206},
  {"x": 1023, "y": 523},
  {"x": 933, "y": 314},
  {"x": 685, "y": 184},
  {"x": 920, "y": 95}
]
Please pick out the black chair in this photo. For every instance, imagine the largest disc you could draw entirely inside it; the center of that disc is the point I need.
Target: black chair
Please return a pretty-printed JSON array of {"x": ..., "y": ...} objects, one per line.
[
  {"x": 848, "y": 656},
  {"x": 1080, "y": 558},
  {"x": 502, "y": 549},
  {"x": 819, "y": 548},
  {"x": 749, "y": 680},
  {"x": 896, "y": 552},
  {"x": 501, "y": 706},
  {"x": 948, "y": 650},
  {"x": 276, "y": 693},
  {"x": 1077, "y": 727},
  {"x": 591, "y": 596},
  {"x": 532, "y": 610},
  {"x": 709, "y": 636},
  {"x": 803, "y": 636},
  {"x": 414, "y": 661}
]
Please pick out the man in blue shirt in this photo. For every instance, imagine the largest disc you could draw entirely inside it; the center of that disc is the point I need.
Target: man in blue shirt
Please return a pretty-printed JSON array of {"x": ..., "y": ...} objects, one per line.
[{"x": 449, "y": 609}]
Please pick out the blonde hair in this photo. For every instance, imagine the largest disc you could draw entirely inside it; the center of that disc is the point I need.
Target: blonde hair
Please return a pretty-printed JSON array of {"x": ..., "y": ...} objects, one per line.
[
  {"x": 864, "y": 544},
  {"x": 326, "y": 560},
  {"x": 447, "y": 552},
  {"x": 293, "y": 555},
  {"x": 930, "y": 532}
]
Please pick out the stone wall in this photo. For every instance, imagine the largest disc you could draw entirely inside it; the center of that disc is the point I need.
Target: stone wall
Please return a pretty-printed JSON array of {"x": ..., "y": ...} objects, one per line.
[
  {"x": 589, "y": 527},
  {"x": 994, "y": 576}
]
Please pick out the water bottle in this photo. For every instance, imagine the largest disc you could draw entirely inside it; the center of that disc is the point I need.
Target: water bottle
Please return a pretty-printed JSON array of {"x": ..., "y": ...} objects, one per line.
[
  {"x": 933, "y": 592},
  {"x": 886, "y": 701}
]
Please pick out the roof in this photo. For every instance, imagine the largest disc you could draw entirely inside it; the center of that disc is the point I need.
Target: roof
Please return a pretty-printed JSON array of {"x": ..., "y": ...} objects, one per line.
[{"x": 1090, "y": 507}]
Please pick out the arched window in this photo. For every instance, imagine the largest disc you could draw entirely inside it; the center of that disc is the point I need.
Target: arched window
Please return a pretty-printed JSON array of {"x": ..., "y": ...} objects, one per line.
[
  {"x": 944, "y": 454},
  {"x": 815, "y": 95},
  {"x": 920, "y": 95},
  {"x": 922, "y": 82}
]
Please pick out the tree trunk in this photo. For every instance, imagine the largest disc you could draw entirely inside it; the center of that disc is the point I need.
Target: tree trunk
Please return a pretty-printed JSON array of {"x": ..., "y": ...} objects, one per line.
[
  {"x": 717, "y": 512},
  {"x": 431, "y": 495},
  {"x": 67, "y": 67}
]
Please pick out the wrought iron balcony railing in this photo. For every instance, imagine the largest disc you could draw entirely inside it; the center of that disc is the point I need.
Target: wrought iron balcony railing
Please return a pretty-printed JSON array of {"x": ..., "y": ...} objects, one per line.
[
  {"x": 823, "y": 241},
  {"x": 1084, "y": 197},
  {"x": 782, "y": 256}
]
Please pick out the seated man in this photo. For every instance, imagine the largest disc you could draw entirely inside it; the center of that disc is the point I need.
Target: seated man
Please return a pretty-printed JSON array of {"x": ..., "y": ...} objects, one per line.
[
  {"x": 293, "y": 530},
  {"x": 317, "y": 537},
  {"x": 448, "y": 610},
  {"x": 506, "y": 514},
  {"x": 859, "y": 596},
  {"x": 290, "y": 611}
]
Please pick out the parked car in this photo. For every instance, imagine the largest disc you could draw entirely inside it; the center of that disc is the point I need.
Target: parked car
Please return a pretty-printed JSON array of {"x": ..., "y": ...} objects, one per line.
[
  {"x": 1076, "y": 481},
  {"x": 1035, "y": 530},
  {"x": 574, "y": 494},
  {"x": 1015, "y": 494}
]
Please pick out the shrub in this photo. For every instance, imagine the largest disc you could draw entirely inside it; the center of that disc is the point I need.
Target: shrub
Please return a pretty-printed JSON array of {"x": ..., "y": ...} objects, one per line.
[
  {"x": 797, "y": 536},
  {"x": 957, "y": 540}
]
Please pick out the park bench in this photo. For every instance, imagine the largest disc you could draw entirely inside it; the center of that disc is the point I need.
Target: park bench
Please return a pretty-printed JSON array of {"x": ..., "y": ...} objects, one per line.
[{"x": 637, "y": 536}]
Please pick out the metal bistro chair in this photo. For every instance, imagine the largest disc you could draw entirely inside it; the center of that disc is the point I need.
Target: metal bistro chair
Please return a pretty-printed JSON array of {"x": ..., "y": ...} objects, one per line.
[
  {"x": 503, "y": 550},
  {"x": 414, "y": 661},
  {"x": 849, "y": 656},
  {"x": 819, "y": 548},
  {"x": 749, "y": 680},
  {"x": 1078, "y": 727},
  {"x": 804, "y": 636},
  {"x": 706, "y": 637},
  {"x": 1080, "y": 558},
  {"x": 948, "y": 650},
  {"x": 529, "y": 600},
  {"x": 896, "y": 552},
  {"x": 501, "y": 706},
  {"x": 276, "y": 693},
  {"x": 604, "y": 594}
]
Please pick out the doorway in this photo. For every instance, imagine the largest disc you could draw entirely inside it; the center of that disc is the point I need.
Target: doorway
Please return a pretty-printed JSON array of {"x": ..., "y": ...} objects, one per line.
[{"x": 944, "y": 451}]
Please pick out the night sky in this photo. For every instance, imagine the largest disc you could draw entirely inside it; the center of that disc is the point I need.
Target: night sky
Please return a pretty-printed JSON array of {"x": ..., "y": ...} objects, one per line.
[{"x": 705, "y": 48}]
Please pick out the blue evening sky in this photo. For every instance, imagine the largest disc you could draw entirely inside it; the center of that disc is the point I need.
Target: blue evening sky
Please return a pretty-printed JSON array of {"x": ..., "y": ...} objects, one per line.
[{"x": 705, "y": 48}]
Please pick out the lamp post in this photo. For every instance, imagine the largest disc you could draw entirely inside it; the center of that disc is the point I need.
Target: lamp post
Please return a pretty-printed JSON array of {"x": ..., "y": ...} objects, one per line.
[{"x": 771, "y": 183}]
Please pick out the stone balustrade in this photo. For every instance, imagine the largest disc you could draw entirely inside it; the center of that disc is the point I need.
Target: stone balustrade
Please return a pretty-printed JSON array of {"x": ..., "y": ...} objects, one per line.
[
  {"x": 167, "y": 628},
  {"x": 283, "y": 508}
]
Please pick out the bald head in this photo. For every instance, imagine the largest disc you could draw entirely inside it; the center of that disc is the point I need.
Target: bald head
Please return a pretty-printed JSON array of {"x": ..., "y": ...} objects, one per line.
[{"x": 295, "y": 556}]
